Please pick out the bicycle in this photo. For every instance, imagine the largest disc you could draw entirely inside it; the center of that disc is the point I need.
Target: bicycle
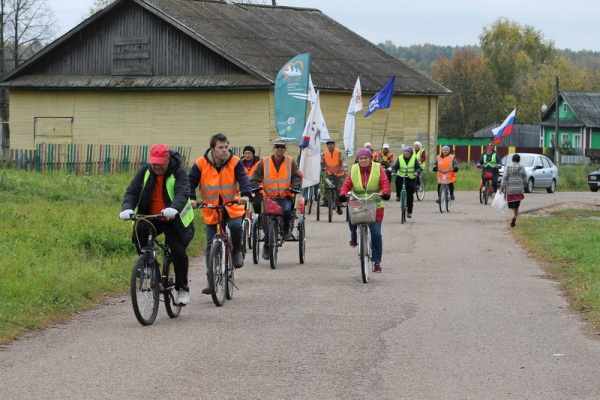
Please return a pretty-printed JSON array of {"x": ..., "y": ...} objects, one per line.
[
  {"x": 247, "y": 224},
  {"x": 362, "y": 213},
  {"x": 221, "y": 273},
  {"x": 421, "y": 192},
  {"x": 444, "y": 192},
  {"x": 311, "y": 197},
  {"x": 272, "y": 219},
  {"x": 486, "y": 189},
  {"x": 403, "y": 200},
  {"x": 329, "y": 194},
  {"x": 148, "y": 281}
]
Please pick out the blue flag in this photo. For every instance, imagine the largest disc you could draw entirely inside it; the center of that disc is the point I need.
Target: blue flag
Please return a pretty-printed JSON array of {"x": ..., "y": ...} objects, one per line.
[{"x": 383, "y": 98}]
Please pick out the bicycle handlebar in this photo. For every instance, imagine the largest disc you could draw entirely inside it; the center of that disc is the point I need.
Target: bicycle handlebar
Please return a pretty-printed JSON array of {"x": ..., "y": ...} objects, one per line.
[
  {"x": 208, "y": 205},
  {"x": 135, "y": 217},
  {"x": 350, "y": 193}
]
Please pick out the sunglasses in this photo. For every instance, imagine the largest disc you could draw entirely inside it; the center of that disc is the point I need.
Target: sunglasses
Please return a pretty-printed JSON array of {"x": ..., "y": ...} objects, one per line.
[{"x": 279, "y": 146}]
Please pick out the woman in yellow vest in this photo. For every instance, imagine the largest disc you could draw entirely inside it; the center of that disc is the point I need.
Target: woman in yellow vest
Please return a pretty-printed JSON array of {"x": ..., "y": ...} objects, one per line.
[
  {"x": 368, "y": 177},
  {"x": 446, "y": 163},
  {"x": 407, "y": 169}
]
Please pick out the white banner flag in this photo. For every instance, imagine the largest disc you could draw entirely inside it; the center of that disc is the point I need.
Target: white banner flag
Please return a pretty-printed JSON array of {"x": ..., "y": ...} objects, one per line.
[
  {"x": 310, "y": 159},
  {"x": 349, "y": 124}
]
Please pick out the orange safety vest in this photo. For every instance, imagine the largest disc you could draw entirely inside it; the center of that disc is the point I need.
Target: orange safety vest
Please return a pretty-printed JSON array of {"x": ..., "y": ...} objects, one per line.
[
  {"x": 444, "y": 164},
  {"x": 333, "y": 162},
  {"x": 276, "y": 182},
  {"x": 215, "y": 185},
  {"x": 383, "y": 157}
]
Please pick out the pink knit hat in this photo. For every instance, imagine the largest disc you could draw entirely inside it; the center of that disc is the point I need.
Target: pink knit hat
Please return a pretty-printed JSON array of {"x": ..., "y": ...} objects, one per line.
[{"x": 364, "y": 152}]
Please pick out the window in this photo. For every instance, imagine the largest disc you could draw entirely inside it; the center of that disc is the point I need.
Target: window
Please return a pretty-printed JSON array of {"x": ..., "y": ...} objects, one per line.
[
  {"x": 551, "y": 143},
  {"x": 577, "y": 141},
  {"x": 564, "y": 139},
  {"x": 565, "y": 107}
]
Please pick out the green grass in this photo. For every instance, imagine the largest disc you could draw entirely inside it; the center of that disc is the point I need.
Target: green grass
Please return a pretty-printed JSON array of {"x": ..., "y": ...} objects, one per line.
[
  {"x": 569, "y": 242},
  {"x": 64, "y": 248}
]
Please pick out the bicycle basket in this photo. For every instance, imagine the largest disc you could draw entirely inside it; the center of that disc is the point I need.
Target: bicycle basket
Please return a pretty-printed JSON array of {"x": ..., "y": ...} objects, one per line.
[
  {"x": 362, "y": 211},
  {"x": 488, "y": 175},
  {"x": 272, "y": 208}
]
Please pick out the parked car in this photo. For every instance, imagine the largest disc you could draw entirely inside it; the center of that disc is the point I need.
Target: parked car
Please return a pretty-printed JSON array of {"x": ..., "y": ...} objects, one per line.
[
  {"x": 594, "y": 180},
  {"x": 541, "y": 171}
]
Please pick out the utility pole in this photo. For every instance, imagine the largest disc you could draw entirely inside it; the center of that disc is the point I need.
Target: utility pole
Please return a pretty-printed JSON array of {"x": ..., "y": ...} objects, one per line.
[{"x": 556, "y": 152}]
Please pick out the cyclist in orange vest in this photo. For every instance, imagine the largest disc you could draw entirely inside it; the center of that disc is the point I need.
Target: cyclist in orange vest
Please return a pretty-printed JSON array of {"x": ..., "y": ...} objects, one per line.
[
  {"x": 446, "y": 162},
  {"x": 220, "y": 176},
  {"x": 386, "y": 158},
  {"x": 278, "y": 174},
  {"x": 333, "y": 163}
]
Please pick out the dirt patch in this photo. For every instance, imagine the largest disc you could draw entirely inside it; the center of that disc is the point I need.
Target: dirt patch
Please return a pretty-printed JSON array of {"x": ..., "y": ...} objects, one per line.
[{"x": 545, "y": 212}]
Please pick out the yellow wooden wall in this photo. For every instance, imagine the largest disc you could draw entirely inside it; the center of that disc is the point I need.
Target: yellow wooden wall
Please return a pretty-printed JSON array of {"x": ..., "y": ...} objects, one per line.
[{"x": 189, "y": 118}]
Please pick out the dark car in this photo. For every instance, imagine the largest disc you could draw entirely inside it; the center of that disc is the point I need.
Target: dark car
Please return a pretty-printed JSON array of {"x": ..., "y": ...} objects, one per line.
[{"x": 594, "y": 180}]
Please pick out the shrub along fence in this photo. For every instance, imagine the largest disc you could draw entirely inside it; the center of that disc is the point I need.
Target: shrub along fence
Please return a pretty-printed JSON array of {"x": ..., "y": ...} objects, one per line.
[{"x": 83, "y": 158}]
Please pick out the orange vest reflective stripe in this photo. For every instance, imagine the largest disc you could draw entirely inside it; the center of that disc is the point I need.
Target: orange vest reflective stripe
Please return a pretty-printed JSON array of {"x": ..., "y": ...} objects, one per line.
[
  {"x": 276, "y": 182},
  {"x": 333, "y": 162},
  {"x": 250, "y": 171},
  {"x": 215, "y": 186},
  {"x": 444, "y": 165}
]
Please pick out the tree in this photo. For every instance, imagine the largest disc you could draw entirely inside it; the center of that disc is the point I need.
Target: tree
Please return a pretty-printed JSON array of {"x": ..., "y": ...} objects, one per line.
[
  {"x": 474, "y": 99},
  {"x": 511, "y": 50}
]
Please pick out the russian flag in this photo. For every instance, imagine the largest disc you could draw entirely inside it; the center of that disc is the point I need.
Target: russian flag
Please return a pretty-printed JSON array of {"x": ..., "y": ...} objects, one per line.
[{"x": 506, "y": 128}]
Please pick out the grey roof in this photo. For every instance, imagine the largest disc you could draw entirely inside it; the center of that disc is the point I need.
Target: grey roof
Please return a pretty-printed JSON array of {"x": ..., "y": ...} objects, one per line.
[
  {"x": 260, "y": 39},
  {"x": 585, "y": 106}
]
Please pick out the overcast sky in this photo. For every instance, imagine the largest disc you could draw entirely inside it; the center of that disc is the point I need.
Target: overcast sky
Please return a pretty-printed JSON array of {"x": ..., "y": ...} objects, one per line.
[{"x": 573, "y": 24}]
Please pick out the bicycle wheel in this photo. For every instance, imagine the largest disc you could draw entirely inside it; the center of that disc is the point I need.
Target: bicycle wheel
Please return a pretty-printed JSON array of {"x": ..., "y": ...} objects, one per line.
[
  {"x": 330, "y": 204},
  {"x": 246, "y": 232},
  {"x": 168, "y": 282},
  {"x": 421, "y": 191},
  {"x": 481, "y": 188},
  {"x": 443, "y": 198},
  {"x": 273, "y": 239},
  {"x": 363, "y": 242},
  {"x": 310, "y": 198},
  {"x": 486, "y": 192},
  {"x": 217, "y": 272},
  {"x": 144, "y": 289},
  {"x": 403, "y": 204},
  {"x": 318, "y": 205},
  {"x": 447, "y": 190},
  {"x": 230, "y": 280},
  {"x": 256, "y": 241},
  {"x": 301, "y": 242}
]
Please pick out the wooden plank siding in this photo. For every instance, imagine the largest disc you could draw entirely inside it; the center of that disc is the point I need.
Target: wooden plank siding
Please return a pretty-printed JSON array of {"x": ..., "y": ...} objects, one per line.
[{"x": 189, "y": 118}]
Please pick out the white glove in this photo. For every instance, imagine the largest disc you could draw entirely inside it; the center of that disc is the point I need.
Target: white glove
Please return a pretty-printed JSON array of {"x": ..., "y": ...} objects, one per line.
[
  {"x": 126, "y": 214},
  {"x": 169, "y": 213}
]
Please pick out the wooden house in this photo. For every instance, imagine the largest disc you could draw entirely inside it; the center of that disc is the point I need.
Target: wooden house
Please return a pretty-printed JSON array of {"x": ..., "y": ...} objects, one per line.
[{"x": 179, "y": 71}]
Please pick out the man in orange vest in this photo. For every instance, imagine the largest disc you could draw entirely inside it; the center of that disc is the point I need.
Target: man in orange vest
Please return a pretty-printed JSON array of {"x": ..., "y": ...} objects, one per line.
[
  {"x": 386, "y": 158},
  {"x": 333, "y": 162},
  {"x": 221, "y": 177},
  {"x": 446, "y": 164},
  {"x": 279, "y": 178}
]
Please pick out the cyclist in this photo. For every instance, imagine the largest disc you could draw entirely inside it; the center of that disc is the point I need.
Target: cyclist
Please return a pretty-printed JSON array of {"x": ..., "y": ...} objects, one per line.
[
  {"x": 333, "y": 163},
  {"x": 490, "y": 162},
  {"x": 251, "y": 161},
  {"x": 162, "y": 186},
  {"x": 219, "y": 175},
  {"x": 407, "y": 169},
  {"x": 421, "y": 156},
  {"x": 447, "y": 163},
  {"x": 368, "y": 146},
  {"x": 367, "y": 177},
  {"x": 276, "y": 174},
  {"x": 385, "y": 157}
]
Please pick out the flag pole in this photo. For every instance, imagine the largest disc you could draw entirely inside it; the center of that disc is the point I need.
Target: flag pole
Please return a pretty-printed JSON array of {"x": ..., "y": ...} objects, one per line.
[{"x": 385, "y": 126}]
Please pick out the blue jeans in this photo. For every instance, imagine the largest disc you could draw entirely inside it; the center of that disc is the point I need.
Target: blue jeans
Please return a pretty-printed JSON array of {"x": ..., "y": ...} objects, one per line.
[
  {"x": 236, "y": 230},
  {"x": 286, "y": 205},
  {"x": 376, "y": 239}
]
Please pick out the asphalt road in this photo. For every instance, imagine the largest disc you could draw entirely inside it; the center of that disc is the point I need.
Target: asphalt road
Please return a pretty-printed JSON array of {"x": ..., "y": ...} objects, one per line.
[{"x": 460, "y": 311}]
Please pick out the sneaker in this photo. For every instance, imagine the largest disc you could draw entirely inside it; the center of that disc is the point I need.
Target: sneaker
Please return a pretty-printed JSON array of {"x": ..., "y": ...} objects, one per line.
[
  {"x": 377, "y": 267},
  {"x": 339, "y": 210},
  {"x": 353, "y": 243},
  {"x": 238, "y": 260},
  {"x": 206, "y": 290},
  {"x": 288, "y": 236},
  {"x": 397, "y": 198},
  {"x": 513, "y": 222},
  {"x": 265, "y": 253},
  {"x": 183, "y": 297},
  {"x": 323, "y": 204},
  {"x": 408, "y": 215},
  {"x": 437, "y": 201},
  {"x": 417, "y": 188},
  {"x": 452, "y": 197}
]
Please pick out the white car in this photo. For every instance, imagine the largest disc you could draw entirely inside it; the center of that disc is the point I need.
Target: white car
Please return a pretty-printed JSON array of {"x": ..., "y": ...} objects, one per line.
[{"x": 541, "y": 171}]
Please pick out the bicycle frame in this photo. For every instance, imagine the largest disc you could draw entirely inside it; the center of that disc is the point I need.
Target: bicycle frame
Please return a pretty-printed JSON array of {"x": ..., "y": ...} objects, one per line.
[{"x": 363, "y": 236}]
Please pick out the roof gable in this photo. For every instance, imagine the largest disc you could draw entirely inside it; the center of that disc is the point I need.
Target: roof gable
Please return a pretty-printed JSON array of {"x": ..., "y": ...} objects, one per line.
[
  {"x": 586, "y": 106},
  {"x": 260, "y": 39}
]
